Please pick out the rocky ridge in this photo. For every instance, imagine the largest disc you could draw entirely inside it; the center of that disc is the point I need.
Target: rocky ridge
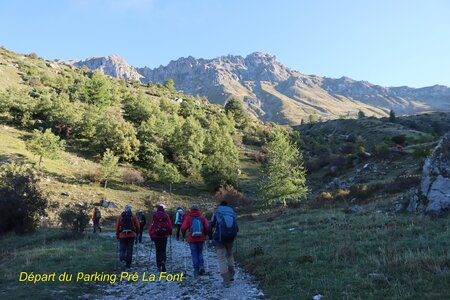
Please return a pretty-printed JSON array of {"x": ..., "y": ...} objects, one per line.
[{"x": 273, "y": 92}]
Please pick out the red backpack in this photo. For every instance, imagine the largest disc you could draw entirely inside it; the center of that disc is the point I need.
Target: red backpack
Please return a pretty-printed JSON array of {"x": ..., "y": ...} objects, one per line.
[
  {"x": 160, "y": 224},
  {"x": 181, "y": 217}
]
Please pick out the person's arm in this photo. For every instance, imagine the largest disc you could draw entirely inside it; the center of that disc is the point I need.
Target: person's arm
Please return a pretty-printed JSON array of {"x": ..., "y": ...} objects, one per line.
[
  {"x": 169, "y": 222},
  {"x": 205, "y": 226},
  {"x": 136, "y": 224},
  {"x": 185, "y": 225},
  {"x": 117, "y": 227},
  {"x": 211, "y": 227},
  {"x": 177, "y": 217}
]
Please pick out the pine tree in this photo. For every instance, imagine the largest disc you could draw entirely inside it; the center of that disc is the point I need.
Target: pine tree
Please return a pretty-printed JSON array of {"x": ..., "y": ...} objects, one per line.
[
  {"x": 392, "y": 116},
  {"x": 236, "y": 109},
  {"x": 222, "y": 158},
  {"x": 45, "y": 144},
  {"x": 109, "y": 166},
  {"x": 284, "y": 176}
]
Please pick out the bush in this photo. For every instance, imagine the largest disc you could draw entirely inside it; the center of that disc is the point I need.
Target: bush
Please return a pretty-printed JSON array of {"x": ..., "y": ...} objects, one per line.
[
  {"x": 132, "y": 176},
  {"x": 259, "y": 157},
  {"x": 94, "y": 175},
  {"x": 422, "y": 152},
  {"x": 399, "y": 139},
  {"x": 231, "y": 195},
  {"x": 402, "y": 183},
  {"x": 22, "y": 203},
  {"x": 75, "y": 216},
  {"x": 382, "y": 150},
  {"x": 313, "y": 165}
]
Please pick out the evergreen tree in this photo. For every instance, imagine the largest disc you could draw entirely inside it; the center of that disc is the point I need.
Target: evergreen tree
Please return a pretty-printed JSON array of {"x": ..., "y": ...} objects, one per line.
[
  {"x": 138, "y": 108},
  {"x": 167, "y": 172},
  {"x": 361, "y": 114},
  {"x": 284, "y": 176},
  {"x": 45, "y": 144},
  {"x": 221, "y": 162},
  {"x": 119, "y": 136},
  {"x": 240, "y": 116},
  {"x": 392, "y": 116},
  {"x": 109, "y": 166},
  {"x": 188, "y": 141},
  {"x": 170, "y": 85}
]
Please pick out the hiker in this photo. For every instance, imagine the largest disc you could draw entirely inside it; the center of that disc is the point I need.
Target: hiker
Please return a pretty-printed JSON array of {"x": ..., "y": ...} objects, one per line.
[
  {"x": 198, "y": 229},
  {"x": 126, "y": 227},
  {"x": 180, "y": 216},
  {"x": 159, "y": 230},
  {"x": 142, "y": 221},
  {"x": 224, "y": 226},
  {"x": 96, "y": 216}
]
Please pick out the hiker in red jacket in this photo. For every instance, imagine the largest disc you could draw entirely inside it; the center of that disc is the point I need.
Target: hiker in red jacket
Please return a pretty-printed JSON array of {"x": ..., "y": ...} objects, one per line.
[
  {"x": 159, "y": 230},
  {"x": 198, "y": 229},
  {"x": 96, "y": 216},
  {"x": 126, "y": 227}
]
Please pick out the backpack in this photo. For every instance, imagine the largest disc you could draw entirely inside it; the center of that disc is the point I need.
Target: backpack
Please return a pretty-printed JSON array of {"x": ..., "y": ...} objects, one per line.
[
  {"x": 127, "y": 224},
  {"x": 98, "y": 214},
  {"x": 226, "y": 226},
  {"x": 181, "y": 217},
  {"x": 160, "y": 224},
  {"x": 196, "y": 227}
]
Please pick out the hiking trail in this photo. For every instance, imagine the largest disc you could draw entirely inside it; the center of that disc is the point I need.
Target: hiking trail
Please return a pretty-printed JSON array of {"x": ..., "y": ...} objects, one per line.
[{"x": 208, "y": 286}]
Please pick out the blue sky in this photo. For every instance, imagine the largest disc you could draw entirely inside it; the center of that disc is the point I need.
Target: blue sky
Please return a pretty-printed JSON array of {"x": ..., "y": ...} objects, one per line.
[{"x": 390, "y": 43}]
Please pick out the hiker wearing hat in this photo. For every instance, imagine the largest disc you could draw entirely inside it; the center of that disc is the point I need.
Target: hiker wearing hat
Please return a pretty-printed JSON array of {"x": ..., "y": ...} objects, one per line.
[
  {"x": 180, "y": 216},
  {"x": 142, "y": 221},
  {"x": 126, "y": 227},
  {"x": 198, "y": 229},
  {"x": 159, "y": 230}
]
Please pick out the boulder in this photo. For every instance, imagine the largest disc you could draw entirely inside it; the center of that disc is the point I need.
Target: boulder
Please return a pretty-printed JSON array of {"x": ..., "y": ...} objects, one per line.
[{"x": 434, "y": 187}]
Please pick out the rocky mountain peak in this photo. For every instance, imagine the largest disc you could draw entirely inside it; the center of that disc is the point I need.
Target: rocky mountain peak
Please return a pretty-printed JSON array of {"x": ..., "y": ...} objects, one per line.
[{"x": 112, "y": 65}]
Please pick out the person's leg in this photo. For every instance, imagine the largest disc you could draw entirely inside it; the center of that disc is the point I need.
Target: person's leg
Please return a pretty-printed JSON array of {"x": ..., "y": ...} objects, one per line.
[
  {"x": 158, "y": 252},
  {"x": 140, "y": 235},
  {"x": 95, "y": 225},
  {"x": 122, "y": 249},
  {"x": 178, "y": 231},
  {"x": 230, "y": 259},
  {"x": 201, "y": 262},
  {"x": 163, "y": 254},
  {"x": 129, "y": 249},
  {"x": 223, "y": 267},
  {"x": 194, "y": 254}
]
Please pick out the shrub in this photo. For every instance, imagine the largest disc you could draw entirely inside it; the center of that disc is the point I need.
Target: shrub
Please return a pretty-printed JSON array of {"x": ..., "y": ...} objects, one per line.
[
  {"x": 259, "y": 157},
  {"x": 422, "y": 152},
  {"x": 75, "y": 216},
  {"x": 22, "y": 203},
  {"x": 313, "y": 165},
  {"x": 382, "y": 150},
  {"x": 132, "y": 176},
  {"x": 94, "y": 175},
  {"x": 231, "y": 195},
  {"x": 402, "y": 183},
  {"x": 399, "y": 139}
]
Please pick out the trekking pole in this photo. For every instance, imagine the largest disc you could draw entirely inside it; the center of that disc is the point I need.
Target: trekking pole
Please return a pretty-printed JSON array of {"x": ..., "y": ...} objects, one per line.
[
  {"x": 170, "y": 251},
  {"x": 207, "y": 259},
  {"x": 185, "y": 258}
]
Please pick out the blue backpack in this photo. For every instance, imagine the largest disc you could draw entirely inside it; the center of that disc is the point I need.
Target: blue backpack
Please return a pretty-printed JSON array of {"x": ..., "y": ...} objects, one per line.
[
  {"x": 226, "y": 226},
  {"x": 196, "y": 227}
]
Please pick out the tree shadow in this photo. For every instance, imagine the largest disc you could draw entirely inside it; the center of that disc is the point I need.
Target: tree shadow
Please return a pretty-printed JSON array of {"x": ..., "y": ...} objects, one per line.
[{"x": 114, "y": 185}]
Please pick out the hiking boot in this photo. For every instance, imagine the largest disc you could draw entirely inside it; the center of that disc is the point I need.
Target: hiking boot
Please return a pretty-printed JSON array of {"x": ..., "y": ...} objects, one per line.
[
  {"x": 201, "y": 271},
  {"x": 163, "y": 268}
]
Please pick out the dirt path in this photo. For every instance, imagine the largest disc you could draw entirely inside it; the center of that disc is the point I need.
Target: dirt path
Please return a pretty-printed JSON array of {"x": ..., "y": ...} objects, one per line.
[{"x": 208, "y": 286}]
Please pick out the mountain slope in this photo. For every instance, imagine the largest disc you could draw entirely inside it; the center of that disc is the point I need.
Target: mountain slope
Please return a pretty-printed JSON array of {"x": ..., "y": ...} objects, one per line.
[{"x": 276, "y": 93}]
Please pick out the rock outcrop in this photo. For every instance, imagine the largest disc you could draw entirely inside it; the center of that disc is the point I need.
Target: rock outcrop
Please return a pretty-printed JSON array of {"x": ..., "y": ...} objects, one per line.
[
  {"x": 114, "y": 66},
  {"x": 435, "y": 184}
]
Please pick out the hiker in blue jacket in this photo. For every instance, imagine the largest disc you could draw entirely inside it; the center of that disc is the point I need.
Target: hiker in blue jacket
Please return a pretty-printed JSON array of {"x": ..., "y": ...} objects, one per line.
[
  {"x": 180, "y": 216},
  {"x": 224, "y": 228}
]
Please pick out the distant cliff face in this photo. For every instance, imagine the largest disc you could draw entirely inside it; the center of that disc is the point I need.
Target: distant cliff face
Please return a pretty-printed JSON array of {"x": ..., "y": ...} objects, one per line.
[
  {"x": 276, "y": 93},
  {"x": 113, "y": 65}
]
